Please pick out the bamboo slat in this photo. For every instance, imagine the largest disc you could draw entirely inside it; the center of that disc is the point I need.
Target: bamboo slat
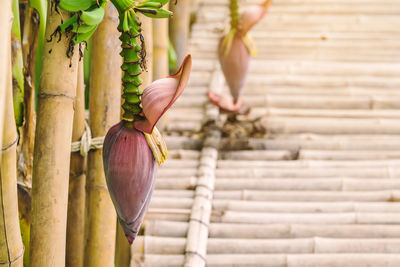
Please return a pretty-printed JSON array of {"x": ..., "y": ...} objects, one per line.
[
  {"x": 197, "y": 235},
  {"x": 256, "y": 231},
  {"x": 169, "y": 245},
  {"x": 328, "y": 142},
  {"x": 279, "y": 260},
  {"x": 221, "y": 205},
  {"x": 316, "y": 172},
  {"x": 308, "y": 163}
]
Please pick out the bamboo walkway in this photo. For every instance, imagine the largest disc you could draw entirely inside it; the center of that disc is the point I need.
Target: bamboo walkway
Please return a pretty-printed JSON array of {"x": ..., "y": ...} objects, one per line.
[{"x": 312, "y": 176}]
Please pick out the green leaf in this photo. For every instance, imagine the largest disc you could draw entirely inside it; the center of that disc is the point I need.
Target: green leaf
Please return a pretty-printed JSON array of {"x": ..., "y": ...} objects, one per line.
[
  {"x": 83, "y": 28},
  {"x": 162, "y": 2},
  {"x": 84, "y": 36},
  {"x": 150, "y": 4}
]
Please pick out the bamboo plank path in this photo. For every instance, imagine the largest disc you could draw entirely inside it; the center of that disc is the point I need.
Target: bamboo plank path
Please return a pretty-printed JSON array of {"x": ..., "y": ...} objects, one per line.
[{"x": 316, "y": 180}]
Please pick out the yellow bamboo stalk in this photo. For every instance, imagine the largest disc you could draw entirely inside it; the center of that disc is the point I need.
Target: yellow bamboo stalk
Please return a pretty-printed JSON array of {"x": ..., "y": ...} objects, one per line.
[
  {"x": 11, "y": 247},
  {"x": 160, "y": 55},
  {"x": 160, "y": 48},
  {"x": 52, "y": 149},
  {"x": 77, "y": 181},
  {"x": 5, "y": 30},
  {"x": 105, "y": 100},
  {"x": 179, "y": 28},
  {"x": 122, "y": 249}
]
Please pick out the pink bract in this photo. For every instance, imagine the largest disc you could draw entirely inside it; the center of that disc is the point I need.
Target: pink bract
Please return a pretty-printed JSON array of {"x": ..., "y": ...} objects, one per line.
[
  {"x": 252, "y": 15},
  {"x": 158, "y": 97}
]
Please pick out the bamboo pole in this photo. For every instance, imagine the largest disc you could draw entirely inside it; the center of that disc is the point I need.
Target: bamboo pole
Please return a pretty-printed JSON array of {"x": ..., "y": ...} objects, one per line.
[
  {"x": 122, "y": 249},
  {"x": 52, "y": 149},
  {"x": 11, "y": 247},
  {"x": 179, "y": 28},
  {"x": 77, "y": 181},
  {"x": 5, "y": 31},
  {"x": 104, "y": 108},
  {"x": 160, "y": 48},
  {"x": 160, "y": 56}
]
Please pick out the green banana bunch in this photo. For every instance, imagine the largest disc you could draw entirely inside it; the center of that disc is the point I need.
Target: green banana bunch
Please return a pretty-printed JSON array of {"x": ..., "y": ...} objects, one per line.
[
  {"x": 153, "y": 8},
  {"x": 88, "y": 15}
]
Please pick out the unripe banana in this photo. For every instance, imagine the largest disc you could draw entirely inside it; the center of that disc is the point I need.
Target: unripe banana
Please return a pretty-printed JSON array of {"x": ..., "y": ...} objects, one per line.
[
  {"x": 150, "y": 4},
  {"x": 75, "y": 5},
  {"x": 82, "y": 28},
  {"x": 92, "y": 17},
  {"x": 154, "y": 12},
  {"x": 81, "y": 37}
]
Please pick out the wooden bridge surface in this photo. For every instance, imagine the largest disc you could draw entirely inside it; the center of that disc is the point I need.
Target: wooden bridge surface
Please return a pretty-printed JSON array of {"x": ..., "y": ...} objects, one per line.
[{"x": 317, "y": 181}]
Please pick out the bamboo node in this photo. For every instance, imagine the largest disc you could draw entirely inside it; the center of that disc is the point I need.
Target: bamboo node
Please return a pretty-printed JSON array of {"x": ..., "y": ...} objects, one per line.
[{"x": 7, "y": 147}]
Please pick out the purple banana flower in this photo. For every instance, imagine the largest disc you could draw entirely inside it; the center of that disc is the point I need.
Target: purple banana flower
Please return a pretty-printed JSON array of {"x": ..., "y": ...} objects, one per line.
[
  {"x": 129, "y": 164},
  {"x": 234, "y": 51},
  {"x": 252, "y": 15},
  {"x": 234, "y": 65}
]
